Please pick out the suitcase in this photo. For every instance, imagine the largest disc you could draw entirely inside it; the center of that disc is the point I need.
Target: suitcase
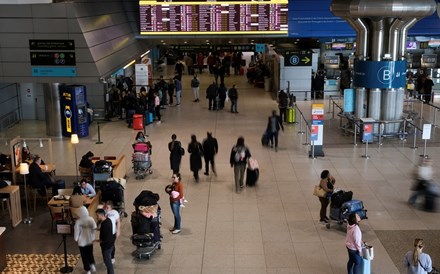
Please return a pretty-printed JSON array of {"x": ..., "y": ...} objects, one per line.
[
  {"x": 252, "y": 176},
  {"x": 150, "y": 117},
  {"x": 241, "y": 71},
  {"x": 430, "y": 203},
  {"x": 138, "y": 122},
  {"x": 290, "y": 115},
  {"x": 352, "y": 206},
  {"x": 340, "y": 197},
  {"x": 265, "y": 140}
]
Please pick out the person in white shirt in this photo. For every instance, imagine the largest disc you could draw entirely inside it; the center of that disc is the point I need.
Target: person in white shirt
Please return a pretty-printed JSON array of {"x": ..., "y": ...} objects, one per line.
[
  {"x": 423, "y": 178},
  {"x": 113, "y": 215},
  {"x": 84, "y": 234}
]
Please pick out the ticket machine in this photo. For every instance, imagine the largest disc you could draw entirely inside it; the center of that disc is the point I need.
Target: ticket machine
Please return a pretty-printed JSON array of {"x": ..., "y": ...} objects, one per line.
[{"x": 73, "y": 101}]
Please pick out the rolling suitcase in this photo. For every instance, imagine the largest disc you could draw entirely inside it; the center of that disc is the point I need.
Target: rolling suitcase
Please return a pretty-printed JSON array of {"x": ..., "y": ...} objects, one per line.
[
  {"x": 352, "y": 206},
  {"x": 365, "y": 266},
  {"x": 252, "y": 176},
  {"x": 290, "y": 115},
  {"x": 265, "y": 139},
  {"x": 138, "y": 122}
]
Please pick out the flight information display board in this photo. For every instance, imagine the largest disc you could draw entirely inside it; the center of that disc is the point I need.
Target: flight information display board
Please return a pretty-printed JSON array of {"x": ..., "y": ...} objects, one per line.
[{"x": 228, "y": 17}]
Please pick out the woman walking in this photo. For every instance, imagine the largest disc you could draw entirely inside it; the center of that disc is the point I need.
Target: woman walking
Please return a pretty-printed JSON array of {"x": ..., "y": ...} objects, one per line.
[
  {"x": 195, "y": 160},
  {"x": 353, "y": 242}
]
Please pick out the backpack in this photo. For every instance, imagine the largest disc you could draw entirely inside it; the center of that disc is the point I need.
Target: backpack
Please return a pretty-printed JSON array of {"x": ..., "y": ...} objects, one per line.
[{"x": 240, "y": 154}]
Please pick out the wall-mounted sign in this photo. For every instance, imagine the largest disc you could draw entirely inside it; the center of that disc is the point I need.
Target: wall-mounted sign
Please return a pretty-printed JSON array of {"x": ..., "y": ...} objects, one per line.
[
  {"x": 51, "y": 44},
  {"x": 301, "y": 58},
  {"x": 383, "y": 74},
  {"x": 53, "y": 71},
  {"x": 53, "y": 58}
]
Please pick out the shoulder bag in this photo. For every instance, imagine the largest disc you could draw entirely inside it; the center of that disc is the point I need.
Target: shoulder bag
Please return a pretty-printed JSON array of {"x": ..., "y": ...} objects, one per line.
[{"x": 319, "y": 192}]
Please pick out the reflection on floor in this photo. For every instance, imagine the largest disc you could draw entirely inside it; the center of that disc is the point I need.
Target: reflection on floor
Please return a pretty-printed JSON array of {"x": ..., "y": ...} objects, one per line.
[{"x": 270, "y": 228}]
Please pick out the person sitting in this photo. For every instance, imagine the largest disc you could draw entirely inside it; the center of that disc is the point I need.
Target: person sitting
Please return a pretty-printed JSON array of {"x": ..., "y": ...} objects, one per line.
[
  {"x": 40, "y": 180},
  {"x": 87, "y": 189},
  {"x": 140, "y": 137},
  {"x": 86, "y": 160}
]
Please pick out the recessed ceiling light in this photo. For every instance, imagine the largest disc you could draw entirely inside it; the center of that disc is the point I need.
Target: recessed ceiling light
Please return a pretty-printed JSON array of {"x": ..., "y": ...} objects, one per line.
[{"x": 185, "y": 42}]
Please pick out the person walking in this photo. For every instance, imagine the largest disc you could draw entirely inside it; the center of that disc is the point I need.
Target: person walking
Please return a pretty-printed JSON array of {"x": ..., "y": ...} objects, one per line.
[
  {"x": 222, "y": 94},
  {"x": 176, "y": 195},
  {"x": 84, "y": 234},
  {"x": 170, "y": 87},
  {"x": 130, "y": 106},
  {"x": 233, "y": 96},
  {"x": 238, "y": 160},
  {"x": 427, "y": 89},
  {"x": 178, "y": 86},
  {"x": 176, "y": 153},
  {"x": 195, "y": 86},
  {"x": 195, "y": 159},
  {"x": 274, "y": 125},
  {"x": 210, "y": 149},
  {"x": 157, "y": 107},
  {"x": 113, "y": 215},
  {"x": 423, "y": 177},
  {"x": 106, "y": 239},
  {"x": 416, "y": 261},
  {"x": 283, "y": 102},
  {"x": 327, "y": 183},
  {"x": 211, "y": 93},
  {"x": 353, "y": 243}
]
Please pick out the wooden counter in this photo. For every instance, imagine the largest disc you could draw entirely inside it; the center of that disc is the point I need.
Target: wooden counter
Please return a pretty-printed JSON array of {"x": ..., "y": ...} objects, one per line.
[{"x": 14, "y": 203}]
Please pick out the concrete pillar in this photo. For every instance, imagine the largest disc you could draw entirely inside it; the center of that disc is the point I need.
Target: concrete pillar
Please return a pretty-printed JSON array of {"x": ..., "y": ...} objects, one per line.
[{"x": 52, "y": 109}]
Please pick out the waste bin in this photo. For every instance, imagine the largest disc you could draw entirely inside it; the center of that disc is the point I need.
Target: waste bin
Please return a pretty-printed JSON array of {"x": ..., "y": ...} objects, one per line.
[{"x": 138, "y": 120}]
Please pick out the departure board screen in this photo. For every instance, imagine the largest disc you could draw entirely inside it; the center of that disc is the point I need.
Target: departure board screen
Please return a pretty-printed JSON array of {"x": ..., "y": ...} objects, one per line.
[{"x": 217, "y": 17}]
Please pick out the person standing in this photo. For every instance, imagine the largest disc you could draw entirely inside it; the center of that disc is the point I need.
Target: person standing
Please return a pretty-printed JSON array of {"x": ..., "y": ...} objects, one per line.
[
  {"x": 195, "y": 86},
  {"x": 200, "y": 62},
  {"x": 113, "y": 215},
  {"x": 327, "y": 183},
  {"x": 195, "y": 159},
  {"x": 233, "y": 96},
  {"x": 106, "y": 239},
  {"x": 238, "y": 160},
  {"x": 274, "y": 125},
  {"x": 178, "y": 86},
  {"x": 171, "y": 90},
  {"x": 157, "y": 107},
  {"x": 176, "y": 195},
  {"x": 210, "y": 149},
  {"x": 211, "y": 93},
  {"x": 84, "y": 234},
  {"x": 130, "y": 106},
  {"x": 176, "y": 153},
  {"x": 283, "y": 102},
  {"x": 353, "y": 243},
  {"x": 416, "y": 261},
  {"x": 427, "y": 88},
  {"x": 222, "y": 92}
]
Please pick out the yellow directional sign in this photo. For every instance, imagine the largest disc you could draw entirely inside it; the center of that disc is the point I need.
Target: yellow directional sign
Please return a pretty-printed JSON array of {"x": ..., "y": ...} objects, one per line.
[
  {"x": 306, "y": 60},
  {"x": 298, "y": 59}
]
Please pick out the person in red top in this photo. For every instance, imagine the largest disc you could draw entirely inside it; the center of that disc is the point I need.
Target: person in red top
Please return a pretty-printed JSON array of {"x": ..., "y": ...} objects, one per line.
[{"x": 176, "y": 194}]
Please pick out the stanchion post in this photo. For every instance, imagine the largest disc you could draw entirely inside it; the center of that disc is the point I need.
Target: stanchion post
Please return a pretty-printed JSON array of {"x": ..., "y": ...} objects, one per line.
[
  {"x": 333, "y": 112},
  {"x": 366, "y": 151},
  {"x": 329, "y": 103},
  {"x": 355, "y": 134},
  {"x": 435, "y": 117},
  {"x": 424, "y": 150},
  {"x": 421, "y": 108},
  {"x": 313, "y": 149},
  {"x": 307, "y": 136},
  {"x": 415, "y": 137},
  {"x": 301, "y": 125},
  {"x": 99, "y": 135}
]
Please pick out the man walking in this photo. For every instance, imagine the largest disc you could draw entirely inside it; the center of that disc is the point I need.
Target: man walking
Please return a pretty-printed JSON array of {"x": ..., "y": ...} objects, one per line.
[
  {"x": 210, "y": 149},
  {"x": 274, "y": 125},
  {"x": 113, "y": 215},
  {"x": 233, "y": 96},
  {"x": 238, "y": 160},
  {"x": 106, "y": 239},
  {"x": 178, "y": 86}
]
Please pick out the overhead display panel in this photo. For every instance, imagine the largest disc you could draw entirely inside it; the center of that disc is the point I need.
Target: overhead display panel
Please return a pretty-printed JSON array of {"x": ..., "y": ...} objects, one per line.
[
  {"x": 219, "y": 17},
  {"x": 313, "y": 18}
]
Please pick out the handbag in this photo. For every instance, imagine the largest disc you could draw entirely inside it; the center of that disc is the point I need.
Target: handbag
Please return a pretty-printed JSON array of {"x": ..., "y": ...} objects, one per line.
[
  {"x": 368, "y": 252},
  {"x": 319, "y": 192}
]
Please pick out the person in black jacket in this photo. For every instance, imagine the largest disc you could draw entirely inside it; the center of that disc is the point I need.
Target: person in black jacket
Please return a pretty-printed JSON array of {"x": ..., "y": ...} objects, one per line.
[
  {"x": 274, "y": 125},
  {"x": 130, "y": 106},
  {"x": 210, "y": 149},
  {"x": 40, "y": 180},
  {"x": 106, "y": 239},
  {"x": 86, "y": 160},
  {"x": 176, "y": 153},
  {"x": 283, "y": 102},
  {"x": 211, "y": 93},
  {"x": 195, "y": 159}
]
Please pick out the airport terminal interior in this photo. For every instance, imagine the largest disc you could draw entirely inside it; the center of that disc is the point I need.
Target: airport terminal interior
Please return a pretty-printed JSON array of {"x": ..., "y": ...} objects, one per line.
[{"x": 270, "y": 228}]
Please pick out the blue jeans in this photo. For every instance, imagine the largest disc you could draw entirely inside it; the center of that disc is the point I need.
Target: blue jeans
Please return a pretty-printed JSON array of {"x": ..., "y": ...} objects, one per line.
[
  {"x": 234, "y": 105},
  {"x": 178, "y": 94},
  {"x": 107, "y": 257},
  {"x": 175, "y": 207},
  {"x": 272, "y": 136},
  {"x": 354, "y": 262}
]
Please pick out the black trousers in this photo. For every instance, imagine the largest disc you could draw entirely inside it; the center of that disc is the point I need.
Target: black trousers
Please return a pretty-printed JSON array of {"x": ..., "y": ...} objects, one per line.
[
  {"x": 209, "y": 159},
  {"x": 87, "y": 256}
]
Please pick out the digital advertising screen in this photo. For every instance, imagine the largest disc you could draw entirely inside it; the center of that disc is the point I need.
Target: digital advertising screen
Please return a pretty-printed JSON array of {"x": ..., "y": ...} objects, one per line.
[{"x": 213, "y": 17}]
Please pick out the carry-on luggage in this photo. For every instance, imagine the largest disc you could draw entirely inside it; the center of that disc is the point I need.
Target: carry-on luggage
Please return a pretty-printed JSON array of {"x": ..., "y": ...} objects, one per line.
[
  {"x": 138, "y": 120},
  {"x": 265, "y": 139},
  {"x": 290, "y": 115},
  {"x": 340, "y": 197},
  {"x": 365, "y": 266},
  {"x": 430, "y": 202},
  {"x": 252, "y": 176},
  {"x": 352, "y": 206}
]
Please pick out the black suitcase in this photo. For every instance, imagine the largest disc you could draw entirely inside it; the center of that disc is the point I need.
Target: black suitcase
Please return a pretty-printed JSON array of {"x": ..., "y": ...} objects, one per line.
[
  {"x": 430, "y": 203},
  {"x": 340, "y": 197},
  {"x": 252, "y": 176},
  {"x": 265, "y": 139}
]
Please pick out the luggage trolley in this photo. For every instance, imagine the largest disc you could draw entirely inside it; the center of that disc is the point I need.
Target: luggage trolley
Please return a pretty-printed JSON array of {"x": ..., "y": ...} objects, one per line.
[
  {"x": 141, "y": 160},
  {"x": 101, "y": 172},
  {"x": 342, "y": 206},
  {"x": 113, "y": 190}
]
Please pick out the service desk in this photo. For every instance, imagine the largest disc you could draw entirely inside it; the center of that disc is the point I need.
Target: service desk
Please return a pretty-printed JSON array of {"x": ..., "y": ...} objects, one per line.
[{"x": 14, "y": 203}]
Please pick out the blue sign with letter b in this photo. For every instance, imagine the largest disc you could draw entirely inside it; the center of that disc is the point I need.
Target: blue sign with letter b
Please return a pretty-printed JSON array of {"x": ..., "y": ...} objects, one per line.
[{"x": 382, "y": 74}]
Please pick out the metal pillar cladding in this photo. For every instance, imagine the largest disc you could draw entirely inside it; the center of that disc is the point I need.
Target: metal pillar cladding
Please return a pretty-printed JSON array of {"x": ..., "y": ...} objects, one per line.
[
  {"x": 381, "y": 28},
  {"x": 360, "y": 103},
  {"x": 52, "y": 109}
]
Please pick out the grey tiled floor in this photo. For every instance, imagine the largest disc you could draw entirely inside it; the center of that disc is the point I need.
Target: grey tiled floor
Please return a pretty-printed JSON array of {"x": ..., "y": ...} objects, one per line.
[{"x": 272, "y": 228}]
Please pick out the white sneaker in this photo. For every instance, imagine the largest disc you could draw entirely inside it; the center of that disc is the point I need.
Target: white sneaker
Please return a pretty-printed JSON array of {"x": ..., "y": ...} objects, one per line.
[
  {"x": 176, "y": 231},
  {"x": 88, "y": 272},
  {"x": 158, "y": 122},
  {"x": 113, "y": 260},
  {"x": 93, "y": 268}
]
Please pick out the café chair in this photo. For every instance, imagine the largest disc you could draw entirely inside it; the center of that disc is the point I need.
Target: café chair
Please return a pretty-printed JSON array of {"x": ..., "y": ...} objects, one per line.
[
  {"x": 65, "y": 191},
  {"x": 109, "y": 157},
  {"x": 33, "y": 191},
  {"x": 96, "y": 158},
  {"x": 57, "y": 213},
  {"x": 86, "y": 172}
]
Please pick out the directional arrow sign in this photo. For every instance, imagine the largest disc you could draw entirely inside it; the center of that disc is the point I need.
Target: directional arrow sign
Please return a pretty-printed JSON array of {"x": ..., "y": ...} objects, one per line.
[{"x": 298, "y": 59}]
